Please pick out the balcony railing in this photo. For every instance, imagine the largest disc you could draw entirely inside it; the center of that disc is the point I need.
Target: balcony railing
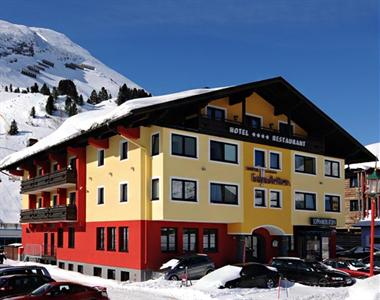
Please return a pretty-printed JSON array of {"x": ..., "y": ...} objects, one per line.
[
  {"x": 61, "y": 213},
  {"x": 61, "y": 178}
]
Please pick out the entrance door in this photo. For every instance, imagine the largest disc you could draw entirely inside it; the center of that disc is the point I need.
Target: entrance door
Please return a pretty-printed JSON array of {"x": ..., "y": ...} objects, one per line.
[{"x": 254, "y": 248}]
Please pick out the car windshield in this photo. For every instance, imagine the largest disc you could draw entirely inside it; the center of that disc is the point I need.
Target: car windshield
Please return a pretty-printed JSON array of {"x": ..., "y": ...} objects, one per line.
[
  {"x": 357, "y": 264},
  {"x": 41, "y": 290},
  {"x": 319, "y": 266}
]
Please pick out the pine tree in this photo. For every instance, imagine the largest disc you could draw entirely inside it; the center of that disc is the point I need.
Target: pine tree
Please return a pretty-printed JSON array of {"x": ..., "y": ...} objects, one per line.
[
  {"x": 73, "y": 110},
  {"x": 54, "y": 93},
  {"x": 17, "y": 90},
  {"x": 33, "y": 112},
  {"x": 93, "y": 98},
  {"x": 49, "y": 107},
  {"x": 103, "y": 95},
  {"x": 68, "y": 103},
  {"x": 34, "y": 88},
  {"x": 11, "y": 88},
  {"x": 122, "y": 96},
  {"x": 6, "y": 88},
  {"x": 67, "y": 87},
  {"x": 45, "y": 90},
  {"x": 13, "y": 130},
  {"x": 80, "y": 100}
]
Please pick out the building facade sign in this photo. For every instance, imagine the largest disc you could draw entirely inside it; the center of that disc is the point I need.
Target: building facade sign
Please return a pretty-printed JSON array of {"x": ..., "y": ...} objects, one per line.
[
  {"x": 323, "y": 221},
  {"x": 267, "y": 136},
  {"x": 269, "y": 180}
]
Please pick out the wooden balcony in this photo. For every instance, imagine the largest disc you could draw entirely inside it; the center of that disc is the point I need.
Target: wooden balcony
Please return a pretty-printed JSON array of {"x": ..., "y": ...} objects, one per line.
[
  {"x": 58, "y": 179},
  {"x": 61, "y": 213}
]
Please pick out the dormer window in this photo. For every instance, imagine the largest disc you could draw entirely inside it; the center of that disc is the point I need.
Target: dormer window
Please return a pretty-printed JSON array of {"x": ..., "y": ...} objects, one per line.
[{"x": 214, "y": 113}]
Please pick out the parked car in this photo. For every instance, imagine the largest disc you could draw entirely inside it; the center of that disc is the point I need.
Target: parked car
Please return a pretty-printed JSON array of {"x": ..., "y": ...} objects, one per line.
[
  {"x": 196, "y": 266},
  {"x": 10, "y": 270},
  {"x": 356, "y": 252},
  {"x": 255, "y": 275},
  {"x": 65, "y": 290},
  {"x": 339, "y": 248},
  {"x": 351, "y": 266},
  {"x": 310, "y": 272},
  {"x": 21, "y": 284}
]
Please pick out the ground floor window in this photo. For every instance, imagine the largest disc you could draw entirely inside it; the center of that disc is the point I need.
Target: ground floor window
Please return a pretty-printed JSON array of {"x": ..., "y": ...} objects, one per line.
[
  {"x": 168, "y": 239},
  {"x": 97, "y": 272},
  {"x": 111, "y": 238},
  {"x": 210, "y": 237},
  {"x": 190, "y": 237},
  {"x": 124, "y": 276},
  {"x": 111, "y": 274}
]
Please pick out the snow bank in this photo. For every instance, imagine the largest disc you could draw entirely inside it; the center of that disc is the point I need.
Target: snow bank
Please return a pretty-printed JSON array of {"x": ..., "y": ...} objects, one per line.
[
  {"x": 368, "y": 289},
  {"x": 218, "y": 277}
]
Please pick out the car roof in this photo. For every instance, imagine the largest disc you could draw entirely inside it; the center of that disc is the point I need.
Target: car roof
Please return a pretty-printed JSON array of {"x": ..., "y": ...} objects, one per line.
[
  {"x": 246, "y": 264},
  {"x": 23, "y": 275},
  {"x": 287, "y": 257}
]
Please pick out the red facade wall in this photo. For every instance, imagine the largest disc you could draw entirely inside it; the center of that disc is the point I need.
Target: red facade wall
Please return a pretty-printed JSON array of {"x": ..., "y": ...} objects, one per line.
[{"x": 141, "y": 233}]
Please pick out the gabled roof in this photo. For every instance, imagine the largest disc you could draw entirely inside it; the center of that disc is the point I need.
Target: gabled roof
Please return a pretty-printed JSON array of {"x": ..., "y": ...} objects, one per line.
[{"x": 277, "y": 91}]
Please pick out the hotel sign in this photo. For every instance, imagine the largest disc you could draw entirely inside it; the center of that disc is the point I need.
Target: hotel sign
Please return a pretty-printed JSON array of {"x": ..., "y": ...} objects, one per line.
[
  {"x": 266, "y": 136},
  {"x": 323, "y": 221},
  {"x": 269, "y": 180}
]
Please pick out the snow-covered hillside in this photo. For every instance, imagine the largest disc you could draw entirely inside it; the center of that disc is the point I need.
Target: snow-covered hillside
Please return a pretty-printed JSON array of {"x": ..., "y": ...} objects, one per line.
[
  {"x": 25, "y": 48},
  {"x": 20, "y": 47}
]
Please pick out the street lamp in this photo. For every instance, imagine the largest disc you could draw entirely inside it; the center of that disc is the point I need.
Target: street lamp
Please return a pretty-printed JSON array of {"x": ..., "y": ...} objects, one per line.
[{"x": 373, "y": 191}]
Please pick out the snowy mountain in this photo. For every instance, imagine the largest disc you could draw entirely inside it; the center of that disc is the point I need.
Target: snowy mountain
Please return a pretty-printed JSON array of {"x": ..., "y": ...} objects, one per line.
[{"x": 34, "y": 55}]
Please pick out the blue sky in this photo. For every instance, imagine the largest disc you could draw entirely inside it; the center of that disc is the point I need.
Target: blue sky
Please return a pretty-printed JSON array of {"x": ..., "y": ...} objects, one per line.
[{"x": 328, "y": 49}]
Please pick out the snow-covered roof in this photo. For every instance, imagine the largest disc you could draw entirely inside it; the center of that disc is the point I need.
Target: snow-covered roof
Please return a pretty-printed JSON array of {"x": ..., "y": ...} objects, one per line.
[
  {"x": 88, "y": 121},
  {"x": 375, "y": 149}
]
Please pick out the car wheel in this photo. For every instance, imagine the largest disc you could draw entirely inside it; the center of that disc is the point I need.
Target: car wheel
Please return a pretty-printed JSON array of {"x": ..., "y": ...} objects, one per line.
[
  {"x": 270, "y": 284},
  {"x": 173, "y": 277},
  {"x": 323, "y": 282}
]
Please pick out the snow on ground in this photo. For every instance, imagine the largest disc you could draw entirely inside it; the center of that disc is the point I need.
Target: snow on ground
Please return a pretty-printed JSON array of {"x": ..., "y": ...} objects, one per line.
[{"x": 367, "y": 289}]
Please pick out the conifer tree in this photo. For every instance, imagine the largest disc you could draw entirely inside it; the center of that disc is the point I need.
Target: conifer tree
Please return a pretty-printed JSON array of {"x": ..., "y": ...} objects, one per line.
[
  {"x": 93, "y": 98},
  {"x": 6, "y": 88},
  {"x": 11, "y": 88},
  {"x": 13, "y": 130},
  {"x": 33, "y": 112},
  {"x": 68, "y": 103},
  {"x": 67, "y": 87},
  {"x": 103, "y": 95},
  {"x": 17, "y": 90},
  {"x": 73, "y": 110},
  {"x": 34, "y": 88},
  {"x": 80, "y": 100},
  {"x": 49, "y": 107},
  {"x": 122, "y": 96},
  {"x": 54, "y": 93},
  {"x": 45, "y": 90}
]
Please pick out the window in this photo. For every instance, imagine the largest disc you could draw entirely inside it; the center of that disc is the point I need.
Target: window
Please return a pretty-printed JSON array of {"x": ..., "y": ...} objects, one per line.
[
  {"x": 71, "y": 237},
  {"x": 305, "y": 201},
  {"x": 54, "y": 167},
  {"x": 260, "y": 198},
  {"x": 111, "y": 274},
  {"x": 97, "y": 271},
  {"x": 168, "y": 239},
  {"x": 123, "y": 192},
  {"x": 275, "y": 199},
  {"x": 123, "y": 150},
  {"x": 100, "y": 157},
  {"x": 254, "y": 122},
  {"x": 285, "y": 128},
  {"x": 39, "y": 202},
  {"x": 305, "y": 164},
  {"x": 354, "y": 182},
  {"x": 210, "y": 237},
  {"x": 155, "y": 189},
  {"x": 100, "y": 238},
  {"x": 72, "y": 163},
  {"x": 60, "y": 238},
  {"x": 100, "y": 195},
  {"x": 70, "y": 267},
  {"x": 214, "y": 113},
  {"x": 274, "y": 161},
  {"x": 61, "y": 265},
  {"x": 123, "y": 239},
  {"x": 259, "y": 158},
  {"x": 111, "y": 238},
  {"x": 184, "y": 190},
  {"x": 124, "y": 276},
  {"x": 190, "y": 238},
  {"x": 332, "y": 168},
  {"x": 332, "y": 203},
  {"x": 223, "y": 152},
  {"x": 354, "y": 205},
  {"x": 155, "y": 144},
  {"x": 80, "y": 269},
  {"x": 223, "y": 193},
  {"x": 72, "y": 198},
  {"x": 184, "y": 145},
  {"x": 54, "y": 200}
]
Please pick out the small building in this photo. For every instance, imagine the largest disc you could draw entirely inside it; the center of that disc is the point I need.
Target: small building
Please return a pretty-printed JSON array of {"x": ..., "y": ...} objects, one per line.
[
  {"x": 242, "y": 173},
  {"x": 9, "y": 233}
]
